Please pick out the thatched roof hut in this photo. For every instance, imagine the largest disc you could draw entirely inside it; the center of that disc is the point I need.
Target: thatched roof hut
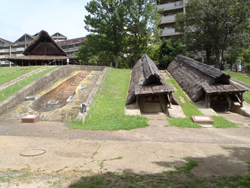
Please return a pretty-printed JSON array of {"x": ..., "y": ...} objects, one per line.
[
  {"x": 43, "y": 49},
  {"x": 199, "y": 80},
  {"x": 146, "y": 81}
]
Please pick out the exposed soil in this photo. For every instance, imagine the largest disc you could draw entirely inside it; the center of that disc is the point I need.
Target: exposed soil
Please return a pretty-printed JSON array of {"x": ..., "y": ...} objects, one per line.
[
  {"x": 60, "y": 94},
  {"x": 57, "y": 90}
]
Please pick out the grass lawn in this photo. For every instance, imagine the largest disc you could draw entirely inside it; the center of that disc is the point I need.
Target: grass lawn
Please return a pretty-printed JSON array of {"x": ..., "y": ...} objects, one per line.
[
  {"x": 7, "y": 92},
  {"x": 9, "y": 73},
  {"x": 107, "y": 111},
  {"x": 239, "y": 76},
  {"x": 181, "y": 177},
  {"x": 242, "y": 78},
  {"x": 190, "y": 109}
]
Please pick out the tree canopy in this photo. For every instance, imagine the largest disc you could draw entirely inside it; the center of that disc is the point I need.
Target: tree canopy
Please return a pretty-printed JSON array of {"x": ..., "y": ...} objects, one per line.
[
  {"x": 214, "y": 26},
  {"x": 120, "y": 29}
]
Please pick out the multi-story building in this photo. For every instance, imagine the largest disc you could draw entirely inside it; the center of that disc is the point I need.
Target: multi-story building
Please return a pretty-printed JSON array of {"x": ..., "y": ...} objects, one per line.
[
  {"x": 170, "y": 9},
  {"x": 4, "y": 49},
  {"x": 15, "y": 49},
  {"x": 71, "y": 46}
]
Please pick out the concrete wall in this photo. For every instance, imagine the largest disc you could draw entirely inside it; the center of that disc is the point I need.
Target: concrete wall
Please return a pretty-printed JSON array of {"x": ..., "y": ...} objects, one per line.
[{"x": 42, "y": 82}]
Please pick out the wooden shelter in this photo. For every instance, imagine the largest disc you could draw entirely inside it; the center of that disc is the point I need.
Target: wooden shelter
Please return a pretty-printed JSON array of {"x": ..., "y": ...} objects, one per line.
[
  {"x": 148, "y": 87},
  {"x": 42, "y": 50},
  {"x": 201, "y": 81}
]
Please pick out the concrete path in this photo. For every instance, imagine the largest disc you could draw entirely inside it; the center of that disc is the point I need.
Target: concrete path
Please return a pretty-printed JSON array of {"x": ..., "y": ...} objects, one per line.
[{"x": 147, "y": 150}]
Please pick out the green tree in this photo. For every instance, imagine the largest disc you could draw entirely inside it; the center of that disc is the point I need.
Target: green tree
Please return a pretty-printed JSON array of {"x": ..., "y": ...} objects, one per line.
[
  {"x": 92, "y": 52},
  {"x": 169, "y": 49},
  {"x": 142, "y": 21},
  {"x": 214, "y": 26},
  {"x": 106, "y": 18}
]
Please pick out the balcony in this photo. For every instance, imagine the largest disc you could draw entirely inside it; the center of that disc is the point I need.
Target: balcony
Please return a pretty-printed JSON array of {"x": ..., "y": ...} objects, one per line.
[
  {"x": 171, "y": 6},
  {"x": 169, "y": 32},
  {"x": 71, "y": 49},
  {"x": 168, "y": 19},
  {"x": 21, "y": 43}
]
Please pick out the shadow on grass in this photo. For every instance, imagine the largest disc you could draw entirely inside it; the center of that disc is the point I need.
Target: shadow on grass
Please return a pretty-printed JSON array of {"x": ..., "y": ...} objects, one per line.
[{"x": 190, "y": 172}]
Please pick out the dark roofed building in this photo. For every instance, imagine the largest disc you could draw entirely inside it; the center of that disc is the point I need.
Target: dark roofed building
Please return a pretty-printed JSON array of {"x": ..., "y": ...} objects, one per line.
[
  {"x": 148, "y": 88},
  {"x": 16, "y": 49},
  {"x": 201, "y": 81},
  {"x": 42, "y": 50}
]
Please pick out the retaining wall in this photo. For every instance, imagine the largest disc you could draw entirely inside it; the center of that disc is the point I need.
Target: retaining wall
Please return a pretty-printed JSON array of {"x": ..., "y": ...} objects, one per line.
[{"x": 42, "y": 82}]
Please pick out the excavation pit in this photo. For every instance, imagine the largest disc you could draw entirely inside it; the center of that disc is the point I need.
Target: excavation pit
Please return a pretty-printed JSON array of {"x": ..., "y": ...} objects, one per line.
[{"x": 59, "y": 96}]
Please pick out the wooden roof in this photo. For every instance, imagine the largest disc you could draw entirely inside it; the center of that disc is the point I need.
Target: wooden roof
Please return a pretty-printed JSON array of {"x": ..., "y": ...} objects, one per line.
[
  {"x": 5, "y": 41},
  {"x": 146, "y": 79},
  {"x": 43, "y": 44},
  {"x": 219, "y": 88},
  {"x": 197, "y": 78}
]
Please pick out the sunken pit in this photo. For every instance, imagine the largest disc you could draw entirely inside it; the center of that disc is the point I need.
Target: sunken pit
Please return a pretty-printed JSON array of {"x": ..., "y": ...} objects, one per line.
[{"x": 61, "y": 95}]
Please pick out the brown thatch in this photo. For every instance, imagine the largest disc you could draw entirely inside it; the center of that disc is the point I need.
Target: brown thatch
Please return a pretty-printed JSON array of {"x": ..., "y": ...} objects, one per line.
[
  {"x": 147, "y": 80},
  {"x": 43, "y": 44},
  {"x": 43, "y": 49},
  {"x": 198, "y": 79}
]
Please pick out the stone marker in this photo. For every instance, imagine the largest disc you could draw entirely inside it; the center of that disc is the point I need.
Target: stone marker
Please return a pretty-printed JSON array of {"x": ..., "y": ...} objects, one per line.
[
  {"x": 31, "y": 118},
  {"x": 202, "y": 119}
]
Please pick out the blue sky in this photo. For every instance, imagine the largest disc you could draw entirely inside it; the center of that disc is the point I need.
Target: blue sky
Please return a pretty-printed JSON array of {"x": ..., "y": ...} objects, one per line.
[{"x": 18, "y": 17}]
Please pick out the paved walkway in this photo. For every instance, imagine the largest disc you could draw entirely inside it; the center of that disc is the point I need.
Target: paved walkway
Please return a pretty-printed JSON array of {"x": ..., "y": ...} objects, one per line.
[{"x": 146, "y": 150}]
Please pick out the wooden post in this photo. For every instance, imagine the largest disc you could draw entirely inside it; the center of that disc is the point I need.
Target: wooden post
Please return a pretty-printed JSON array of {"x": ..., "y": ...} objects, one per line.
[
  {"x": 241, "y": 99},
  {"x": 137, "y": 102},
  {"x": 207, "y": 100},
  {"x": 22, "y": 63}
]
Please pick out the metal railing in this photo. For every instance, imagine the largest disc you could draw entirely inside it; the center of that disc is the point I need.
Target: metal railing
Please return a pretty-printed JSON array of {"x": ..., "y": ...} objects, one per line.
[
  {"x": 168, "y": 19},
  {"x": 169, "y": 6}
]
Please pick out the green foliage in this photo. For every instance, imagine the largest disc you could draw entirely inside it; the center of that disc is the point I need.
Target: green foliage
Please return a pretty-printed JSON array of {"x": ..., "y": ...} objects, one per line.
[
  {"x": 121, "y": 31},
  {"x": 7, "y": 92},
  {"x": 246, "y": 180},
  {"x": 107, "y": 111},
  {"x": 142, "y": 20},
  {"x": 169, "y": 49},
  {"x": 106, "y": 18},
  {"x": 214, "y": 25},
  {"x": 92, "y": 53}
]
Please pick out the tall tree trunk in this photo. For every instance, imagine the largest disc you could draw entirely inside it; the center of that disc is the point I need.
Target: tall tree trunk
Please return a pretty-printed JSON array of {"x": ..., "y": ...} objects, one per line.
[
  {"x": 116, "y": 61},
  {"x": 217, "y": 61},
  {"x": 208, "y": 55}
]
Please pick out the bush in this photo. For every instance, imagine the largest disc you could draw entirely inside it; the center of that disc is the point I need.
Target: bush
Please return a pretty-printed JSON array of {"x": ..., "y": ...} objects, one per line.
[{"x": 248, "y": 67}]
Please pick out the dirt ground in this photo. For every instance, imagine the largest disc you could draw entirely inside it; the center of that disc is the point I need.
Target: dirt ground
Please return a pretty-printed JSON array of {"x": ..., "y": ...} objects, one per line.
[
  {"x": 64, "y": 113},
  {"x": 147, "y": 150}
]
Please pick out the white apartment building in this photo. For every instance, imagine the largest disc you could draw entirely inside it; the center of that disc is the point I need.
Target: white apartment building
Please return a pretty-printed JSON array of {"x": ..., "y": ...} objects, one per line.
[
  {"x": 170, "y": 9},
  {"x": 15, "y": 49}
]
